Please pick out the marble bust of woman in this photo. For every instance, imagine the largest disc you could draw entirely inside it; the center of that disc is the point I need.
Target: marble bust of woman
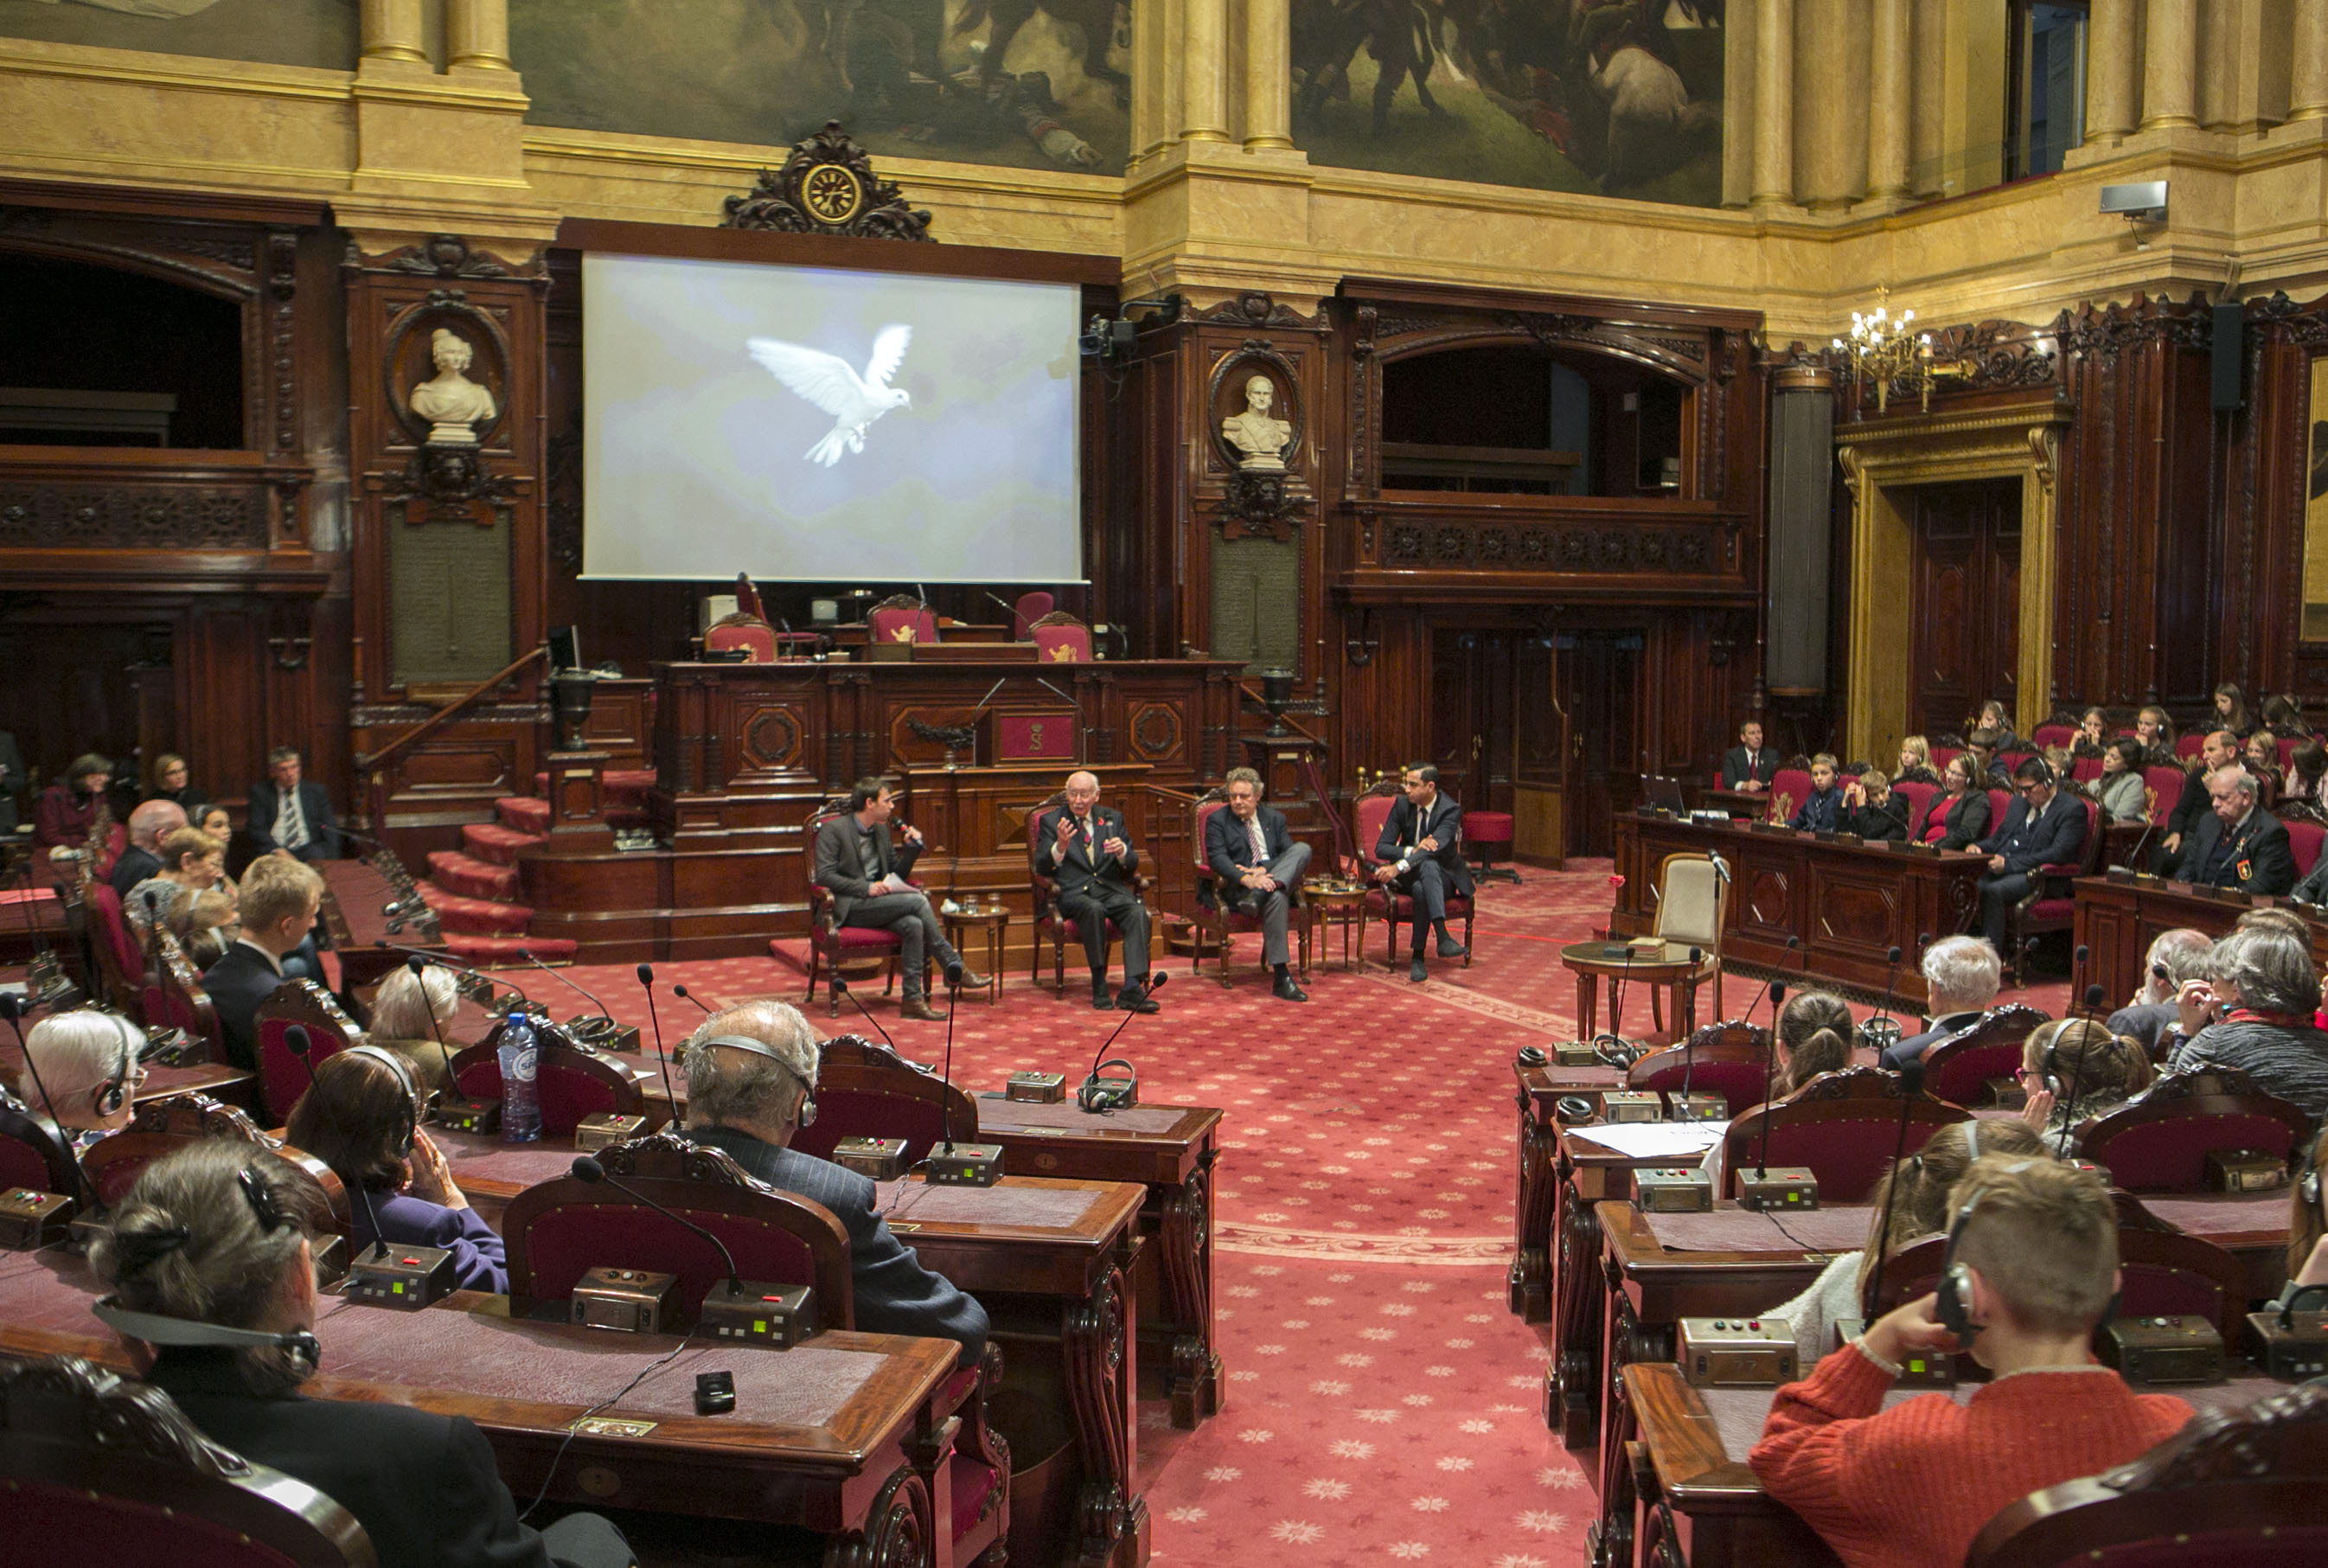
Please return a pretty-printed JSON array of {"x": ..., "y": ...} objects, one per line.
[
  {"x": 454, "y": 405},
  {"x": 1255, "y": 433}
]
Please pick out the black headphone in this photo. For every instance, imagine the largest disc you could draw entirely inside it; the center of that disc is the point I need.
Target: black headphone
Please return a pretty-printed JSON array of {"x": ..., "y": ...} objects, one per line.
[
  {"x": 114, "y": 1093},
  {"x": 413, "y": 1101},
  {"x": 1099, "y": 1099},
  {"x": 1952, "y": 1302},
  {"x": 2050, "y": 1060},
  {"x": 807, "y": 1117},
  {"x": 2307, "y": 1185},
  {"x": 156, "y": 1329}
]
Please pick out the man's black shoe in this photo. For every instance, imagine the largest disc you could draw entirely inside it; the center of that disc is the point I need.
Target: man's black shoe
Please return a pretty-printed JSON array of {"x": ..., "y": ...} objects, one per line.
[
  {"x": 1284, "y": 990},
  {"x": 1102, "y": 1000},
  {"x": 1451, "y": 948},
  {"x": 1414, "y": 969},
  {"x": 1135, "y": 999}
]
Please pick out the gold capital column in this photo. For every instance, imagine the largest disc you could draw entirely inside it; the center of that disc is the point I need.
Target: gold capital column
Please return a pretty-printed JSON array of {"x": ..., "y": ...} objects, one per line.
[
  {"x": 1774, "y": 105},
  {"x": 2170, "y": 65},
  {"x": 391, "y": 29},
  {"x": 1889, "y": 103},
  {"x": 2307, "y": 95},
  {"x": 1205, "y": 48},
  {"x": 477, "y": 33},
  {"x": 1267, "y": 75},
  {"x": 2110, "y": 70}
]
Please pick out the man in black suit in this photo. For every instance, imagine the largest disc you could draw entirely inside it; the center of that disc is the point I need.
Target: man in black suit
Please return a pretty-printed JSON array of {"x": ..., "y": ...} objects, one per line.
[
  {"x": 2042, "y": 827},
  {"x": 2239, "y": 844},
  {"x": 2220, "y": 750},
  {"x": 1256, "y": 865},
  {"x": 424, "y": 1487},
  {"x": 1081, "y": 847},
  {"x": 290, "y": 814},
  {"x": 1422, "y": 844},
  {"x": 147, "y": 823},
  {"x": 278, "y": 900},
  {"x": 866, "y": 878},
  {"x": 1748, "y": 765},
  {"x": 751, "y": 1071}
]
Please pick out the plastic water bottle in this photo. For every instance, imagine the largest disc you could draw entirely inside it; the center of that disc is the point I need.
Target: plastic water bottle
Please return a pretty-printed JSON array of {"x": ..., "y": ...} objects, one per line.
[{"x": 520, "y": 1105}]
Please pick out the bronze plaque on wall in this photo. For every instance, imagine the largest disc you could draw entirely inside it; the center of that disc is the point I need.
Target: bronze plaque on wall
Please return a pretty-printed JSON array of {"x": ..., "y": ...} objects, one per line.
[
  {"x": 448, "y": 600},
  {"x": 1257, "y": 601}
]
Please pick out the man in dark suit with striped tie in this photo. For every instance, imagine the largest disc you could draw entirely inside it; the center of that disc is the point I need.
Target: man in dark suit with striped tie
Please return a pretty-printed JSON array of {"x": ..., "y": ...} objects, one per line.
[{"x": 1081, "y": 846}]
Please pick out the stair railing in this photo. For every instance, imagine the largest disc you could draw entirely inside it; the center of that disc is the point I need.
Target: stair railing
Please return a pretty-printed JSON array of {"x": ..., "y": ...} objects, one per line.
[{"x": 372, "y": 766}]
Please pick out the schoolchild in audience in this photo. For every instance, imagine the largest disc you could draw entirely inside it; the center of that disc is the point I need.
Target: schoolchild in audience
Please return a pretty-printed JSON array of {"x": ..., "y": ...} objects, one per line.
[
  {"x": 1824, "y": 805},
  {"x": 2073, "y": 1070}
]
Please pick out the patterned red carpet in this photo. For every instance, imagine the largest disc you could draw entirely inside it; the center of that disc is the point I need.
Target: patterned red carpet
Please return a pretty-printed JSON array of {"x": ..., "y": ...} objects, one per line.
[{"x": 1382, "y": 1401}]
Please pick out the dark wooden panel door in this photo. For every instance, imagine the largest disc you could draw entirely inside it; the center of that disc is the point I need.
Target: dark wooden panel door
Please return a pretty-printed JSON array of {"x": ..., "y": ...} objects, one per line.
[
  {"x": 1600, "y": 688},
  {"x": 1965, "y": 593},
  {"x": 1490, "y": 692}
]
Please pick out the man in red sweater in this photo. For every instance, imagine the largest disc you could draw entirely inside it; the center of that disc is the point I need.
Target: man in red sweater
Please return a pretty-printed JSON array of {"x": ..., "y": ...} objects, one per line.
[{"x": 1910, "y": 1486}]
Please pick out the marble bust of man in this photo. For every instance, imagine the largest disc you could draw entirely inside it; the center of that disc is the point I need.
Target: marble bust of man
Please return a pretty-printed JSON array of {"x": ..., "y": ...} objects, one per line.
[
  {"x": 1255, "y": 433},
  {"x": 454, "y": 405}
]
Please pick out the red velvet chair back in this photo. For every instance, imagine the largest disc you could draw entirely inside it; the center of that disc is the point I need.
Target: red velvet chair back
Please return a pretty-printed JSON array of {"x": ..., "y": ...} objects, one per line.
[
  {"x": 1061, "y": 639},
  {"x": 2086, "y": 769},
  {"x": 108, "y": 1469},
  {"x": 571, "y": 1083},
  {"x": 30, "y": 1156},
  {"x": 750, "y": 633},
  {"x": 2160, "y": 1143},
  {"x": 1939, "y": 758},
  {"x": 2165, "y": 1273},
  {"x": 902, "y": 618},
  {"x": 1204, "y": 815},
  {"x": 2165, "y": 787},
  {"x": 2286, "y": 745},
  {"x": 1734, "y": 1071},
  {"x": 556, "y": 1231},
  {"x": 1958, "y": 1068},
  {"x": 2187, "y": 746},
  {"x": 1789, "y": 788},
  {"x": 281, "y": 1077},
  {"x": 123, "y": 965},
  {"x": 1368, "y": 814},
  {"x": 2304, "y": 844},
  {"x": 865, "y": 1090},
  {"x": 1841, "y": 1125},
  {"x": 161, "y": 1127},
  {"x": 2053, "y": 734},
  {"x": 2000, "y": 802},
  {"x": 1919, "y": 797},
  {"x": 175, "y": 1000},
  {"x": 2232, "y": 1486},
  {"x": 1030, "y": 608}
]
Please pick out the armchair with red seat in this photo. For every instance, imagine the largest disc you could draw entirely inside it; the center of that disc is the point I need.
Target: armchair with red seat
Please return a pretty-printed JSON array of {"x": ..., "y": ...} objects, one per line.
[
  {"x": 174, "y": 998},
  {"x": 1060, "y": 638},
  {"x": 1368, "y": 813},
  {"x": 1958, "y": 1068},
  {"x": 865, "y": 1090},
  {"x": 282, "y": 1078},
  {"x": 754, "y": 635},
  {"x": 122, "y": 967},
  {"x": 570, "y": 1083},
  {"x": 1044, "y": 891},
  {"x": 1919, "y": 797},
  {"x": 1729, "y": 1059},
  {"x": 1028, "y": 608},
  {"x": 1842, "y": 1125},
  {"x": 2159, "y": 1141},
  {"x": 2051, "y": 904},
  {"x": 830, "y": 943},
  {"x": 901, "y": 618},
  {"x": 161, "y": 1127},
  {"x": 1790, "y": 787},
  {"x": 1219, "y": 920}
]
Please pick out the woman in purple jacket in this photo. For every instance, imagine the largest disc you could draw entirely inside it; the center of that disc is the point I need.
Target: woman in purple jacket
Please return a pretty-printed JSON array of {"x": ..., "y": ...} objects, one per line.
[{"x": 362, "y": 1117}]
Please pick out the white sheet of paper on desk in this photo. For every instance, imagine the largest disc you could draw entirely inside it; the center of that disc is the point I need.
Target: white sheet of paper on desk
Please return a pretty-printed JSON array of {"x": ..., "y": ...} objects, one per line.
[{"x": 1648, "y": 1140}]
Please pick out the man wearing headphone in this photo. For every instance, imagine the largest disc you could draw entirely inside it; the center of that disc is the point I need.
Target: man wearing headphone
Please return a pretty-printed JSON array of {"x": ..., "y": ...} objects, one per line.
[
  {"x": 751, "y": 1070},
  {"x": 2031, "y": 1270},
  {"x": 2042, "y": 827},
  {"x": 83, "y": 1071}
]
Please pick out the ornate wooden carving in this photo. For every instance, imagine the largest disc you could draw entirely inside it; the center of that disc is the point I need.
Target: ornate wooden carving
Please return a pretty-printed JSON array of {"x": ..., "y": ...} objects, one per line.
[
  {"x": 674, "y": 1156},
  {"x": 2107, "y": 331},
  {"x": 1256, "y": 309},
  {"x": 827, "y": 186},
  {"x": 121, "y": 516},
  {"x": 449, "y": 256},
  {"x": 1463, "y": 543},
  {"x": 68, "y": 1400},
  {"x": 2272, "y": 1433}
]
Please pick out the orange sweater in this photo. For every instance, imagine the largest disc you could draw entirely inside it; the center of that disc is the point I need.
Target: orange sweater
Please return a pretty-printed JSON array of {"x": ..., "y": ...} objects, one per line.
[{"x": 1911, "y": 1485}]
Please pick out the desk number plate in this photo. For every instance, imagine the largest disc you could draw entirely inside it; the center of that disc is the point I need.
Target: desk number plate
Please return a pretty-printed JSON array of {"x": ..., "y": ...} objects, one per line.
[{"x": 611, "y": 1426}]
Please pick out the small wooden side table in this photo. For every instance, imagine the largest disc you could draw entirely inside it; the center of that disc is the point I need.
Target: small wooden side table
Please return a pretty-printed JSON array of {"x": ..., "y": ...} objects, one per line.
[
  {"x": 1336, "y": 905},
  {"x": 993, "y": 921},
  {"x": 1670, "y": 969}
]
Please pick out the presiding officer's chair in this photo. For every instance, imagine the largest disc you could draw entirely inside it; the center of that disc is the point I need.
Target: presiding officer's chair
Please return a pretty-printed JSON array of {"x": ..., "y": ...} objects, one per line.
[
  {"x": 901, "y": 618},
  {"x": 1061, "y": 639}
]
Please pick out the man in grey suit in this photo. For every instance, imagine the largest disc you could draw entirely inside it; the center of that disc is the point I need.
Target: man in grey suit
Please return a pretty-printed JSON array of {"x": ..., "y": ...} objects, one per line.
[
  {"x": 751, "y": 1071},
  {"x": 867, "y": 879},
  {"x": 1256, "y": 865}
]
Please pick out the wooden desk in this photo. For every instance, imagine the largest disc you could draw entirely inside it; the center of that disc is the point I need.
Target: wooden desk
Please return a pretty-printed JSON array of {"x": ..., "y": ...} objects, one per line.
[
  {"x": 354, "y": 892},
  {"x": 2118, "y": 919},
  {"x": 1689, "y": 1447},
  {"x": 830, "y": 1444},
  {"x": 1848, "y": 902},
  {"x": 1528, "y": 1286},
  {"x": 217, "y": 1079}
]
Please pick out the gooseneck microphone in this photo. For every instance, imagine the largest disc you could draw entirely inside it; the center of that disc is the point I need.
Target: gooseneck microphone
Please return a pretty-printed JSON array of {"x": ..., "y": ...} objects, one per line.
[
  {"x": 1689, "y": 1047},
  {"x": 420, "y": 968},
  {"x": 684, "y": 994},
  {"x": 588, "y": 1170},
  {"x": 445, "y": 961},
  {"x": 1912, "y": 1085},
  {"x": 1092, "y": 1096},
  {"x": 646, "y": 983},
  {"x": 2077, "y": 970},
  {"x": 2077, "y": 1075},
  {"x": 295, "y": 1041},
  {"x": 604, "y": 1012},
  {"x": 1892, "y": 957},
  {"x": 841, "y": 986},
  {"x": 1770, "y": 1071}
]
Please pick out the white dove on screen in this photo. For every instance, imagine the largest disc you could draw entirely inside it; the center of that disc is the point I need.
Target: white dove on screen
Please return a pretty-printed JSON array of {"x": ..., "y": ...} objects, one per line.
[{"x": 854, "y": 401}]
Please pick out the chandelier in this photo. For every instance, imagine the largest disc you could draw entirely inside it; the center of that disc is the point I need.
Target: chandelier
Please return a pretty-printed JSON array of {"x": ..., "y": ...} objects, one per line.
[{"x": 1887, "y": 350}]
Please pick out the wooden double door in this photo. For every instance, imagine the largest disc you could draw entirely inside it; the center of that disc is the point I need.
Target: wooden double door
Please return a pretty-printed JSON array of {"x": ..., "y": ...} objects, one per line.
[
  {"x": 1964, "y": 612},
  {"x": 1520, "y": 718}
]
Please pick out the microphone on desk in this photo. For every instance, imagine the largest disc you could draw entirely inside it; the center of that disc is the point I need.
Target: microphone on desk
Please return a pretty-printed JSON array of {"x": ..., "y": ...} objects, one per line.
[
  {"x": 778, "y": 1316},
  {"x": 841, "y": 986},
  {"x": 1688, "y": 1049},
  {"x": 2077, "y": 1074},
  {"x": 1912, "y": 1085},
  {"x": 1100, "y": 1095},
  {"x": 1777, "y": 993},
  {"x": 684, "y": 994},
  {"x": 297, "y": 1042},
  {"x": 588, "y": 1170},
  {"x": 420, "y": 968},
  {"x": 2133, "y": 856},
  {"x": 646, "y": 983}
]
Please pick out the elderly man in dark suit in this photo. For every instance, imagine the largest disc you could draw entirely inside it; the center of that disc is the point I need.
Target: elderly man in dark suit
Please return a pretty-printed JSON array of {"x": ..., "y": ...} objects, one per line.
[
  {"x": 1257, "y": 866},
  {"x": 1748, "y": 765},
  {"x": 751, "y": 1071},
  {"x": 867, "y": 878},
  {"x": 292, "y": 815},
  {"x": 1423, "y": 850},
  {"x": 2238, "y": 844},
  {"x": 1081, "y": 847},
  {"x": 2042, "y": 827}
]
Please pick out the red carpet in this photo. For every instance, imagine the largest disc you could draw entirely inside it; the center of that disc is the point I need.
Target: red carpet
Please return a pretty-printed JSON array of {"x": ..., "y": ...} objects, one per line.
[{"x": 1382, "y": 1401}]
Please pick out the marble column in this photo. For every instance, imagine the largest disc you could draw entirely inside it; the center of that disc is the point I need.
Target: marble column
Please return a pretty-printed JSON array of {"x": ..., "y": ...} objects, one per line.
[
  {"x": 2170, "y": 65},
  {"x": 1774, "y": 105},
  {"x": 1204, "y": 54},
  {"x": 392, "y": 31},
  {"x": 2307, "y": 98},
  {"x": 1267, "y": 75},
  {"x": 477, "y": 33},
  {"x": 2110, "y": 70},
  {"x": 1889, "y": 103}
]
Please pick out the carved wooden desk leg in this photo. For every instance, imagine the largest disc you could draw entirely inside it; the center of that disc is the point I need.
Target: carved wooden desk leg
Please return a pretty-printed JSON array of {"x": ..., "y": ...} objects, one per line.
[
  {"x": 1112, "y": 1518},
  {"x": 1577, "y": 1314},
  {"x": 899, "y": 1531},
  {"x": 1187, "y": 1239},
  {"x": 1528, "y": 1287}
]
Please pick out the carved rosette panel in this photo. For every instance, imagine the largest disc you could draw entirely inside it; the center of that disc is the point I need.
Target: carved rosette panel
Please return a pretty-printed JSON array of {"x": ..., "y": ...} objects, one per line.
[
  {"x": 772, "y": 739},
  {"x": 132, "y": 516},
  {"x": 907, "y": 746},
  {"x": 1450, "y": 543},
  {"x": 1155, "y": 729}
]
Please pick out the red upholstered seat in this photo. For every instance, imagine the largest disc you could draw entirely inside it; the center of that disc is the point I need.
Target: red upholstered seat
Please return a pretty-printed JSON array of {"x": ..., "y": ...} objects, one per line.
[
  {"x": 120, "y": 963},
  {"x": 1061, "y": 639},
  {"x": 569, "y": 1084},
  {"x": 2086, "y": 769},
  {"x": 1393, "y": 909},
  {"x": 2288, "y": 744},
  {"x": 1729, "y": 1059},
  {"x": 2165, "y": 787},
  {"x": 750, "y": 633},
  {"x": 281, "y": 1077},
  {"x": 158, "y": 1128},
  {"x": 174, "y": 998},
  {"x": 902, "y": 618},
  {"x": 1789, "y": 788},
  {"x": 1029, "y": 608},
  {"x": 2050, "y": 905},
  {"x": 1958, "y": 1068},
  {"x": 2053, "y": 734},
  {"x": 2189, "y": 746},
  {"x": 865, "y": 1090},
  {"x": 1220, "y": 920},
  {"x": 1919, "y": 797},
  {"x": 1488, "y": 827},
  {"x": 1842, "y": 1125},
  {"x": 1940, "y": 755},
  {"x": 2160, "y": 1141},
  {"x": 2304, "y": 844},
  {"x": 2165, "y": 1273},
  {"x": 1999, "y": 802}
]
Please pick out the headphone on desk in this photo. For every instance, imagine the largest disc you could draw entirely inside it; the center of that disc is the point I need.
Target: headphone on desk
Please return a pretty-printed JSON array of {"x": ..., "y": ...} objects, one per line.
[
  {"x": 1100, "y": 1098},
  {"x": 807, "y": 1117}
]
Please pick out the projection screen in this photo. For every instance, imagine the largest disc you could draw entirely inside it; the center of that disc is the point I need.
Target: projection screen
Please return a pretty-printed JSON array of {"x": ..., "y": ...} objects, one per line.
[{"x": 810, "y": 425}]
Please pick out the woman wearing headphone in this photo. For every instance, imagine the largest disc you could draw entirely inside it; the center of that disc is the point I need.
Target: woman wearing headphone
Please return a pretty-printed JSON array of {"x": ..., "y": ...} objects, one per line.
[
  {"x": 362, "y": 1117},
  {"x": 82, "y": 1072},
  {"x": 213, "y": 1290}
]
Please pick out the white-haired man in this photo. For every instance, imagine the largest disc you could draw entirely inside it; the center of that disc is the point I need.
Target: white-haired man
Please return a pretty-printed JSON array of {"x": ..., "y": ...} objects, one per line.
[
  {"x": 1255, "y": 866},
  {"x": 1081, "y": 845},
  {"x": 1961, "y": 976},
  {"x": 751, "y": 1069},
  {"x": 147, "y": 825},
  {"x": 83, "y": 1073},
  {"x": 2238, "y": 844}
]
